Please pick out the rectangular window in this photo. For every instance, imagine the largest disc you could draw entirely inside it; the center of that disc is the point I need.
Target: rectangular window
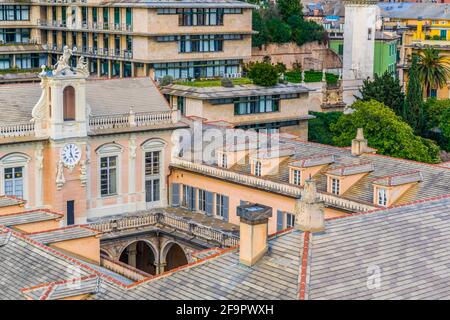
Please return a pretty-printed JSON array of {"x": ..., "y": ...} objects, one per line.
[
  {"x": 296, "y": 177},
  {"x": 108, "y": 176},
  {"x": 152, "y": 190},
  {"x": 382, "y": 197},
  {"x": 14, "y": 13},
  {"x": 290, "y": 220},
  {"x": 181, "y": 105},
  {"x": 200, "y": 43},
  {"x": 335, "y": 184},
  {"x": 13, "y": 179},
  {"x": 224, "y": 161},
  {"x": 257, "y": 104},
  {"x": 222, "y": 206},
  {"x": 152, "y": 179},
  {"x": 201, "y": 200},
  {"x": 188, "y": 197},
  {"x": 257, "y": 168},
  {"x": 152, "y": 162},
  {"x": 199, "y": 17}
]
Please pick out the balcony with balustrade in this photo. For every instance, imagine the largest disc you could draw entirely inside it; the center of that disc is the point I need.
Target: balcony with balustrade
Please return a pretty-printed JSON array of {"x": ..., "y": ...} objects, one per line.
[
  {"x": 92, "y": 52},
  {"x": 120, "y": 28}
]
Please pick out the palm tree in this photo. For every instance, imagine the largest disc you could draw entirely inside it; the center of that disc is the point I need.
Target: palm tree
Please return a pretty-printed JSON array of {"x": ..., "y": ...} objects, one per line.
[{"x": 433, "y": 69}]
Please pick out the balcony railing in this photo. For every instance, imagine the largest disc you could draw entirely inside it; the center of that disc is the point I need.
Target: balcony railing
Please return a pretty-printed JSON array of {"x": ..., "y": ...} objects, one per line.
[
  {"x": 99, "y": 26},
  {"x": 17, "y": 130},
  {"x": 127, "y": 120},
  {"x": 165, "y": 219},
  {"x": 132, "y": 120},
  {"x": 266, "y": 184},
  {"x": 94, "y": 52}
]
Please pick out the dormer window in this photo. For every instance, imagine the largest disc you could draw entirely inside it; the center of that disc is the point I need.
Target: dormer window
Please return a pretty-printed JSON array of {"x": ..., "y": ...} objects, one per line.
[
  {"x": 382, "y": 197},
  {"x": 257, "y": 168},
  {"x": 296, "y": 177},
  {"x": 69, "y": 103},
  {"x": 335, "y": 185}
]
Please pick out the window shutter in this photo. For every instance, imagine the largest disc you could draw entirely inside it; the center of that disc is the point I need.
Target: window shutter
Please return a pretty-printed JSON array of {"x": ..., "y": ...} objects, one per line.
[
  {"x": 225, "y": 208},
  {"x": 279, "y": 220},
  {"x": 209, "y": 203},
  {"x": 188, "y": 191},
  {"x": 175, "y": 194},
  {"x": 193, "y": 199}
]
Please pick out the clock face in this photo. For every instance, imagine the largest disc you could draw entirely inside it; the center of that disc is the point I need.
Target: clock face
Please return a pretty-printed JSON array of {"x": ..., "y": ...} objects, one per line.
[{"x": 70, "y": 154}]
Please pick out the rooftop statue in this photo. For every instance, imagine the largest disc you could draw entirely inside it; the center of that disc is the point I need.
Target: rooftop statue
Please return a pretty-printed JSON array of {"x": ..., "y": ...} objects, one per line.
[{"x": 63, "y": 62}]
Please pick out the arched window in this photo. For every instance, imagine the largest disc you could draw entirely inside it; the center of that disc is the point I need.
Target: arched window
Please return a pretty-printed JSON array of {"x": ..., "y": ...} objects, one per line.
[{"x": 69, "y": 103}]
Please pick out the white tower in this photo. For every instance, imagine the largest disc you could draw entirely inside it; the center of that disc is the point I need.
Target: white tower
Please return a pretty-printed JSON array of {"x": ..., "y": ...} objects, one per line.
[{"x": 361, "y": 17}]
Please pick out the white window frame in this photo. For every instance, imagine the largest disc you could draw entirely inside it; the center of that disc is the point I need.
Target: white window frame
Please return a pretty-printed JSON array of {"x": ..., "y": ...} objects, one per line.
[
  {"x": 257, "y": 167},
  {"x": 224, "y": 160},
  {"x": 155, "y": 145},
  {"x": 201, "y": 200},
  {"x": 335, "y": 186},
  {"x": 382, "y": 197},
  {"x": 296, "y": 177},
  {"x": 14, "y": 160},
  {"x": 109, "y": 150},
  {"x": 218, "y": 203},
  {"x": 289, "y": 216}
]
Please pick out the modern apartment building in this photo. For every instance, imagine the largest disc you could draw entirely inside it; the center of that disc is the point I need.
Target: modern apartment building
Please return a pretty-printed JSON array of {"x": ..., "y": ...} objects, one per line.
[{"x": 184, "y": 39}]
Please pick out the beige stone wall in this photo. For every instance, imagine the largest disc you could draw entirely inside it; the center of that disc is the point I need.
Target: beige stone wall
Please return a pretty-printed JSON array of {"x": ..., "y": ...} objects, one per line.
[
  {"x": 312, "y": 56},
  {"x": 168, "y": 24},
  {"x": 84, "y": 248},
  {"x": 288, "y": 108},
  {"x": 232, "y": 49},
  {"x": 236, "y": 193}
]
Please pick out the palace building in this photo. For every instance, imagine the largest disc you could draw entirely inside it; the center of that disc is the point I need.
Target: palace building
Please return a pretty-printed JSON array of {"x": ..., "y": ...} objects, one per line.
[
  {"x": 85, "y": 147},
  {"x": 108, "y": 192},
  {"x": 183, "y": 39}
]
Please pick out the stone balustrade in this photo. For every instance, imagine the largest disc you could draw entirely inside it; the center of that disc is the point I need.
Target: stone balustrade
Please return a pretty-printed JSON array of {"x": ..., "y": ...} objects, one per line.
[
  {"x": 265, "y": 184},
  {"x": 17, "y": 130},
  {"x": 169, "y": 220},
  {"x": 123, "y": 269},
  {"x": 130, "y": 120}
]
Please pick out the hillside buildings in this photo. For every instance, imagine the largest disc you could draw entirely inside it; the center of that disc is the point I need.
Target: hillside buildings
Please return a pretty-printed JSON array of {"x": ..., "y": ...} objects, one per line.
[{"x": 184, "y": 39}]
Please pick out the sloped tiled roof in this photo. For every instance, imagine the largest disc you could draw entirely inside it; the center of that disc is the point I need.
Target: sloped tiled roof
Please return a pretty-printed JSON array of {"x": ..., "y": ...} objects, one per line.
[
  {"x": 63, "y": 234},
  {"x": 104, "y": 97},
  {"x": 6, "y": 201},
  {"x": 436, "y": 178},
  {"x": 39, "y": 215},
  {"x": 64, "y": 289},
  {"x": 219, "y": 92},
  {"x": 407, "y": 246}
]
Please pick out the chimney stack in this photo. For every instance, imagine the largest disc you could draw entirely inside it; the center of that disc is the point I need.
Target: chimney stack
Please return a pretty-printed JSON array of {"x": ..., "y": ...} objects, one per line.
[
  {"x": 253, "y": 232},
  {"x": 359, "y": 144},
  {"x": 309, "y": 211}
]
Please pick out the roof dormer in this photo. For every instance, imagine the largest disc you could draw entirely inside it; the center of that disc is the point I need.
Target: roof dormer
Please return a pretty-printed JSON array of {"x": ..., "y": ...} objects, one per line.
[
  {"x": 230, "y": 155},
  {"x": 302, "y": 169},
  {"x": 266, "y": 161},
  {"x": 340, "y": 179},
  {"x": 387, "y": 190}
]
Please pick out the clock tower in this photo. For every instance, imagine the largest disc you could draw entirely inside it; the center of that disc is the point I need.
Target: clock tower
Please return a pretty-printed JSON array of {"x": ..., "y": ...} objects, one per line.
[{"x": 62, "y": 116}]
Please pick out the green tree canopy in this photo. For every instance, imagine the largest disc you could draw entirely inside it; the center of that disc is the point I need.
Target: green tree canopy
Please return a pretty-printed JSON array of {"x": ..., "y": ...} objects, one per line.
[
  {"x": 278, "y": 31},
  {"x": 289, "y": 8},
  {"x": 433, "y": 69},
  {"x": 263, "y": 74},
  {"x": 385, "y": 89},
  {"x": 385, "y": 131},
  {"x": 283, "y": 22},
  {"x": 413, "y": 112}
]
